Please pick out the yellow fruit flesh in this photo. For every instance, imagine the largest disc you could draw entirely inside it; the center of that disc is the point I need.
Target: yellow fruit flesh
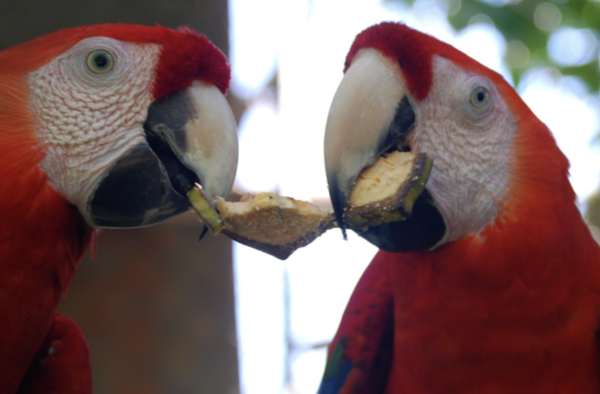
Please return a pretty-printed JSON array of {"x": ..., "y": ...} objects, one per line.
[
  {"x": 387, "y": 190},
  {"x": 204, "y": 210}
]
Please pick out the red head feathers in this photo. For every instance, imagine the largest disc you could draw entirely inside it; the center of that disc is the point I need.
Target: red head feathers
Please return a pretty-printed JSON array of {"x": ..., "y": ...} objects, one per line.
[{"x": 203, "y": 60}]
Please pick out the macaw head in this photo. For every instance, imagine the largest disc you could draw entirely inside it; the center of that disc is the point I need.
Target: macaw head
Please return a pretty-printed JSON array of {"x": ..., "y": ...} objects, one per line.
[
  {"x": 122, "y": 119},
  {"x": 493, "y": 160}
]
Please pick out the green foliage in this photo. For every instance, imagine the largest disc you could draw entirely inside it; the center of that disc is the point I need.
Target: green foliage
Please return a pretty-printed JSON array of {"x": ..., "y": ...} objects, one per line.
[
  {"x": 593, "y": 212},
  {"x": 588, "y": 72}
]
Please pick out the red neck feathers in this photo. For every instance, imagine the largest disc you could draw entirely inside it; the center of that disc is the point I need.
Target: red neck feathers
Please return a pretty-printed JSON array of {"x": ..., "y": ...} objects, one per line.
[
  {"x": 40, "y": 230},
  {"x": 42, "y": 237}
]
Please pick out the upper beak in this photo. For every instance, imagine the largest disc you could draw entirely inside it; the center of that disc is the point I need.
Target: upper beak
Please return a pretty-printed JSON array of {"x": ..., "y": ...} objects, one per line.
[
  {"x": 371, "y": 113},
  {"x": 191, "y": 138}
]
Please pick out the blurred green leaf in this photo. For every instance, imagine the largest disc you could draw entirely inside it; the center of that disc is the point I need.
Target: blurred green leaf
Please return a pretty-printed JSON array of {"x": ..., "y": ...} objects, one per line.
[
  {"x": 576, "y": 6},
  {"x": 590, "y": 15},
  {"x": 588, "y": 73},
  {"x": 592, "y": 214},
  {"x": 514, "y": 21}
]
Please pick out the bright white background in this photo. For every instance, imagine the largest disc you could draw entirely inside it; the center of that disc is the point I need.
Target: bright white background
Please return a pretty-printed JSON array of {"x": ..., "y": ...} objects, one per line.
[{"x": 287, "y": 310}]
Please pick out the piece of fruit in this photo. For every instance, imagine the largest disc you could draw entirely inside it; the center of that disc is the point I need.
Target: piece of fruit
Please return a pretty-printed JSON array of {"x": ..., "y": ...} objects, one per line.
[
  {"x": 387, "y": 190},
  {"x": 274, "y": 224}
]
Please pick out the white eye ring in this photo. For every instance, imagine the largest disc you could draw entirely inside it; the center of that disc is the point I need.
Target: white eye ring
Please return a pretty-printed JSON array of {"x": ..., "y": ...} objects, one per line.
[
  {"x": 100, "y": 61},
  {"x": 480, "y": 97}
]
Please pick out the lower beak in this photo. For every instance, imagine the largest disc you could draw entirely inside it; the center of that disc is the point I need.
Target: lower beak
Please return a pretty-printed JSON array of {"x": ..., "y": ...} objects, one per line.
[
  {"x": 191, "y": 138},
  {"x": 372, "y": 113}
]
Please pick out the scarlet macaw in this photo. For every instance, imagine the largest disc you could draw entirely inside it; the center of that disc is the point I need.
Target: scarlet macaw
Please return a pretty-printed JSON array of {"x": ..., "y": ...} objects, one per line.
[
  {"x": 493, "y": 284},
  {"x": 102, "y": 126}
]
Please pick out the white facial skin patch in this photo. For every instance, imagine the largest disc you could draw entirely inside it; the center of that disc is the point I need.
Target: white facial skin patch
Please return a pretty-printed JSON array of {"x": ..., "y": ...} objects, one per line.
[
  {"x": 470, "y": 138},
  {"x": 89, "y": 113}
]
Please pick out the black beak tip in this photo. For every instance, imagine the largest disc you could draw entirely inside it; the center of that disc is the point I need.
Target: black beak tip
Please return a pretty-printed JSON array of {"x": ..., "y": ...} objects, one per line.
[
  {"x": 339, "y": 203},
  {"x": 203, "y": 233}
]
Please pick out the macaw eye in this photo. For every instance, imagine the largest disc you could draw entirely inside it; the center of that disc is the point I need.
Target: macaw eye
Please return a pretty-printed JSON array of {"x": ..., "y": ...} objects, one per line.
[
  {"x": 100, "y": 62},
  {"x": 480, "y": 97}
]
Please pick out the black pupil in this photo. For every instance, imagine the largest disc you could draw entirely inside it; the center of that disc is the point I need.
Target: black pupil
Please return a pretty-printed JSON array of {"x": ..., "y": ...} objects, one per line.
[
  {"x": 101, "y": 60},
  {"x": 480, "y": 96}
]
